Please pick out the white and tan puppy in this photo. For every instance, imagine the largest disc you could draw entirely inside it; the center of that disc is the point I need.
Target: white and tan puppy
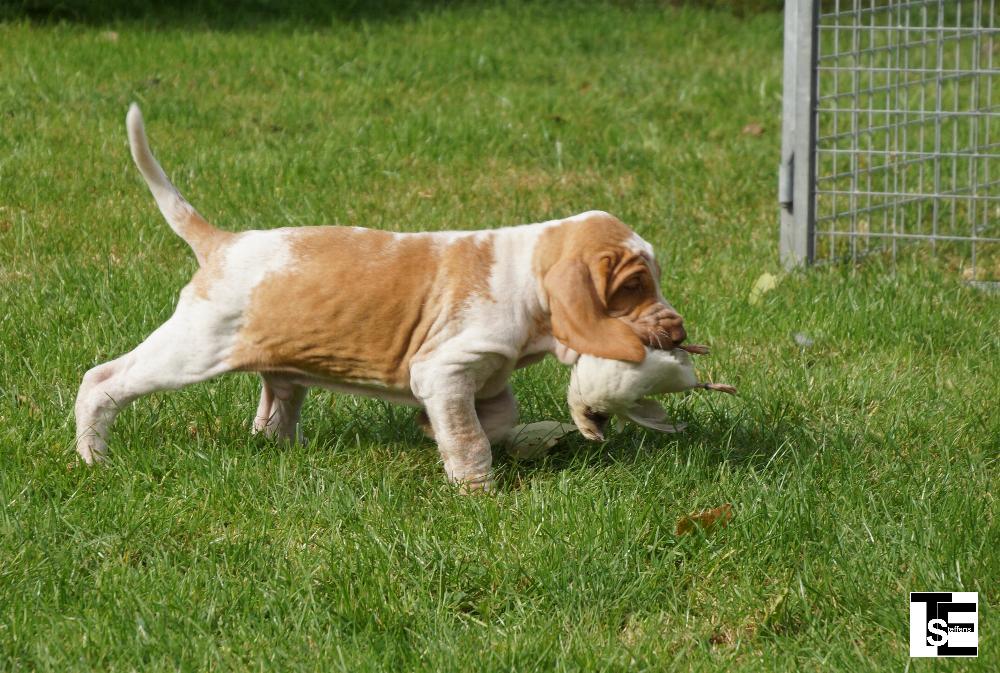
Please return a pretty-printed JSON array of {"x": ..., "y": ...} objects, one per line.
[{"x": 436, "y": 320}]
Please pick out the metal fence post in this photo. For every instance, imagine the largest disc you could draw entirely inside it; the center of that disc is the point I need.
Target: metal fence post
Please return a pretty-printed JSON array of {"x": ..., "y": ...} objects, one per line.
[{"x": 797, "y": 174}]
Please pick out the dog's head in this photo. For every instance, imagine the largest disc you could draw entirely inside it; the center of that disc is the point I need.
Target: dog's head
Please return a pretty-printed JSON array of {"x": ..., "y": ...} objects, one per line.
[{"x": 600, "y": 280}]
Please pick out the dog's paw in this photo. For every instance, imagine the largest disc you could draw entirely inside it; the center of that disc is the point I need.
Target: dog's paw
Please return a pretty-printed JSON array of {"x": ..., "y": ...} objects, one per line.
[
  {"x": 474, "y": 485},
  {"x": 92, "y": 449}
]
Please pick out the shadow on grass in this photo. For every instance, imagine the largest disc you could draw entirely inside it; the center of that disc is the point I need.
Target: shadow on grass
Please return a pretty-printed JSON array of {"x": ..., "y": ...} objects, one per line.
[
  {"x": 222, "y": 14},
  {"x": 759, "y": 437},
  {"x": 249, "y": 14}
]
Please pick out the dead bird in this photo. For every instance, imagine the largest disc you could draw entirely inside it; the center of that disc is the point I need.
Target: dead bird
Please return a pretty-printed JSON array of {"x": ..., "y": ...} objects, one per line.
[{"x": 600, "y": 388}]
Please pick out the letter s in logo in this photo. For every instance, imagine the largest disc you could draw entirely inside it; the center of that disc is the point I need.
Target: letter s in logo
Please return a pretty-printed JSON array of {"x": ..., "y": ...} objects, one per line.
[{"x": 940, "y": 628}]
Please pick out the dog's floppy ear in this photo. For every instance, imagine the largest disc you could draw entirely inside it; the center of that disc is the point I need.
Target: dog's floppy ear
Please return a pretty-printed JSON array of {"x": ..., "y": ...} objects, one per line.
[{"x": 577, "y": 302}]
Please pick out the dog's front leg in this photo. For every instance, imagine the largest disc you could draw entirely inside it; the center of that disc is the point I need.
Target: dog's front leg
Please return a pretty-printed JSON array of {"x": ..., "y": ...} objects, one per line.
[
  {"x": 461, "y": 440},
  {"x": 446, "y": 384}
]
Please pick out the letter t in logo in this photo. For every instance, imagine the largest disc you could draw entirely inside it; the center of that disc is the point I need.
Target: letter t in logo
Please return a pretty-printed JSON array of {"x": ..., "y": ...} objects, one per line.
[{"x": 925, "y": 637}]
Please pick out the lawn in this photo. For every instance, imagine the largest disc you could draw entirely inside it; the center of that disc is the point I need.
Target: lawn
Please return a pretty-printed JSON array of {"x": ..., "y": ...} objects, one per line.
[{"x": 861, "y": 459}]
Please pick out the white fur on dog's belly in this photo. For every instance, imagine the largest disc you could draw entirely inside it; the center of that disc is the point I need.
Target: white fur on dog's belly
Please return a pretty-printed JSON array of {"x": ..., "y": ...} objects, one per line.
[{"x": 363, "y": 388}]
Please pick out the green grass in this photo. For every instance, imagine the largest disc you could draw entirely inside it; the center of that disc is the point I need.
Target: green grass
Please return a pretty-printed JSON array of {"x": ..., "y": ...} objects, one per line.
[{"x": 860, "y": 469}]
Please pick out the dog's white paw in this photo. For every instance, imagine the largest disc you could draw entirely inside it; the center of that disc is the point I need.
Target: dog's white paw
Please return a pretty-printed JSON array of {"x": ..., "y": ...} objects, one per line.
[{"x": 92, "y": 448}]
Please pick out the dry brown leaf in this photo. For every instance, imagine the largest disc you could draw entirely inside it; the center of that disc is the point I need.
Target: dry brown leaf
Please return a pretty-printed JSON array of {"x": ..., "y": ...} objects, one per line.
[
  {"x": 753, "y": 129},
  {"x": 33, "y": 409},
  {"x": 706, "y": 519},
  {"x": 194, "y": 429}
]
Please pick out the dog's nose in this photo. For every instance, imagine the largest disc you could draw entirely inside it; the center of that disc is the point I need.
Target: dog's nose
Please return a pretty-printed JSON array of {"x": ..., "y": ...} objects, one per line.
[
  {"x": 673, "y": 325},
  {"x": 678, "y": 333}
]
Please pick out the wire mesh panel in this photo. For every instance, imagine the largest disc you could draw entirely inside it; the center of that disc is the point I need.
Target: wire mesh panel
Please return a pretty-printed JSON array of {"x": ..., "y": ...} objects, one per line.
[{"x": 903, "y": 127}]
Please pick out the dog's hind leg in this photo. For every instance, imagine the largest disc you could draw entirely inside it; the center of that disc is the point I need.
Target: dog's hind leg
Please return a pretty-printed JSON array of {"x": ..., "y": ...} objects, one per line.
[
  {"x": 280, "y": 405},
  {"x": 188, "y": 348}
]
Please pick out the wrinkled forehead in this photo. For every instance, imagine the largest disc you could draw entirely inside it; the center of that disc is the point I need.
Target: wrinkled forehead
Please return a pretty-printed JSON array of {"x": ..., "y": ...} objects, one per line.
[
  {"x": 635, "y": 243},
  {"x": 590, "y": 235},
  {"x": 644, "y": 250}
]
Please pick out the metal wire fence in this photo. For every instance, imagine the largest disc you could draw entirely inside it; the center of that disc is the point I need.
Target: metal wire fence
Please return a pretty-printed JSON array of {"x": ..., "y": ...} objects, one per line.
[{"x": 892, "y": 131}]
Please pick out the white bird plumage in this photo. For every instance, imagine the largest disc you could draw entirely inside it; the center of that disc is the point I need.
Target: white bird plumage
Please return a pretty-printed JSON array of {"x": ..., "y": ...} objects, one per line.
[{"x": 600, "y": 388}]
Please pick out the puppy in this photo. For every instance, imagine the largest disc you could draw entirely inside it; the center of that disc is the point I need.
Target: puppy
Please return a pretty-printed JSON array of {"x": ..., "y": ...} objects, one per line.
[{"x": 437, "y": 320}]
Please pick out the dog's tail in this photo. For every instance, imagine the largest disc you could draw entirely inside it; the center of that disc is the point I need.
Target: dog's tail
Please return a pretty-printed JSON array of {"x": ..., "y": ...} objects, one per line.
[{"x": 181, "y": 215}]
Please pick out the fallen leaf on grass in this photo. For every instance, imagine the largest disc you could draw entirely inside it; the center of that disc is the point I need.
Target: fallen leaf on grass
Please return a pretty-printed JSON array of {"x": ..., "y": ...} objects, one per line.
[
  {"x": 706, "y": 519},
  {"x": 33, "y": 409},
  {"x": 764, "y": 284},
  {"x": 753, "y": 129},
  {"x": 533, "y": 440},
  {"x": 194, "y": 429}
]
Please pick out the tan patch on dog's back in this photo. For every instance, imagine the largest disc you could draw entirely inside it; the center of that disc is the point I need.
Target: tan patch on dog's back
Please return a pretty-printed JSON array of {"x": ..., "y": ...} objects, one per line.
[
  {"x": 357, "y": 304},
  {"x": 353, "y": 305},
  {"x": 467, "y": 262}
]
